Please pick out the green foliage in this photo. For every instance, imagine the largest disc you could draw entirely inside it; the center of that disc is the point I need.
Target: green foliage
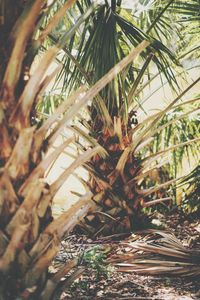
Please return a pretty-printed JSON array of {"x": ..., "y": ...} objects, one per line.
[
  {"x": 178, "y": 126},
  {"x": 103, "y": 41},
  {"x": 48, "y": 103},
  {"x": 95, "y": 259},
  {"x": 96, "y": 266},
  {"x": 191, "y": 194},
  {"x": 80, "y": 284}
]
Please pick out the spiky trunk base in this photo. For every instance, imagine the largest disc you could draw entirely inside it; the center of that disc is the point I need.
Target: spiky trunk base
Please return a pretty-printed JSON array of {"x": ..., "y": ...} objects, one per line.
[{"x": 113, "y": 183}]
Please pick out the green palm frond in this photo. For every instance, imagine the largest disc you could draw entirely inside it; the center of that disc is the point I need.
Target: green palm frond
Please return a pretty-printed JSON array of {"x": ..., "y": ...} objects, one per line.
[
  {"x": 171, "y": 18},
  {"x": 188, "y": 10},
  {"x": 105, "y": 40},
  {"x": 188, "y": 16}
]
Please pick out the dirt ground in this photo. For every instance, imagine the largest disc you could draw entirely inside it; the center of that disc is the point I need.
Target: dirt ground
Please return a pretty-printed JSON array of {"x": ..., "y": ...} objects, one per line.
[{"x": 93, "y": 283}]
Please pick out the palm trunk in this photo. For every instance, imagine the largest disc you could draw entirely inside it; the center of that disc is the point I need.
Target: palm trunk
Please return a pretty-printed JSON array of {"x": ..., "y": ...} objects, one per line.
[
  {"x": 29, "y": 237},
  {"x": 120, "y": 204},
  {"x": 10, "y": 11}
]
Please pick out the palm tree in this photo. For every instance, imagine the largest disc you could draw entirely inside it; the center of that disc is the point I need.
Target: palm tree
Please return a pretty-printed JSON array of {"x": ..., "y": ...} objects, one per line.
[
  {"x": 105, "y": 40},
  {"x": 29, "y": 237},
  {"x": 126, "y": 178},
  {"x": 111, "y": 33}
]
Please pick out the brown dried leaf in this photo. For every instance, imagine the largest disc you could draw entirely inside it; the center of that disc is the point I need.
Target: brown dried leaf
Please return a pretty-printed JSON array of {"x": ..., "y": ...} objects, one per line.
[
  {"x": 5, "y": 145},
  {"x": 44, "y": 260},
  {"x": 26, "y": 209},
  {"x": 16, "y": 244},
  {"x": 41, "y": 168},
  {"x": 8, "y": 199},
  {"x": 19, "y": 162},
  {"x": 13, "y": 70}
]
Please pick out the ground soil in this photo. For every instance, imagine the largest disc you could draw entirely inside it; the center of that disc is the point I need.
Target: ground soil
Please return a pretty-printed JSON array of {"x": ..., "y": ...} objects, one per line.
[{"x": 91, "y": 285}]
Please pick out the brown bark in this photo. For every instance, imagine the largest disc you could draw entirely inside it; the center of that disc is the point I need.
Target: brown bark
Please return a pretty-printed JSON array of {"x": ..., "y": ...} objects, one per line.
[{"x": 10, "y": 10}]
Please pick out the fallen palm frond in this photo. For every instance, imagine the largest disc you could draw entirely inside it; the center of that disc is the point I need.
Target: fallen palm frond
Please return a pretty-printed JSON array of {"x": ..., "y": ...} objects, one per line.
[{"x": 158, "y": 253}]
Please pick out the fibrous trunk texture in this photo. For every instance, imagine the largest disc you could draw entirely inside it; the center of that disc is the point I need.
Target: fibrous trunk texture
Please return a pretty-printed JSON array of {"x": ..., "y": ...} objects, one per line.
[
  {"x": 29, "y": 237},
  {"x": 113, "y": 178}
]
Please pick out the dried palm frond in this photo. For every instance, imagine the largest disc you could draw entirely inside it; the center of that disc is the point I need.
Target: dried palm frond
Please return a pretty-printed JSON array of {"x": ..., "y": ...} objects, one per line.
[{"x": 159, "y": 253}]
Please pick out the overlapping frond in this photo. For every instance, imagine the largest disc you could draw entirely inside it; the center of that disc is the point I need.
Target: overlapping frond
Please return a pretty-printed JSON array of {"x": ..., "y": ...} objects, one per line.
[
  {"x": 105, "y": 40},
  {"x": 159, "y": 253}
]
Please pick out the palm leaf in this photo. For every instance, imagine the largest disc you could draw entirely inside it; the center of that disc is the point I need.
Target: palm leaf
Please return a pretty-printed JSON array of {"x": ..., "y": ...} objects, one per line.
[{"x": 160, "y": 253}]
